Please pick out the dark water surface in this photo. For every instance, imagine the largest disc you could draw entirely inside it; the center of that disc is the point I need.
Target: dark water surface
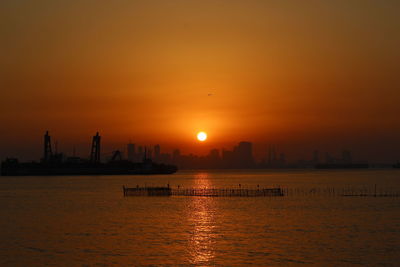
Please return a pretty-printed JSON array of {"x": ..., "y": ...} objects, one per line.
[{"x": 86, "y": 221}]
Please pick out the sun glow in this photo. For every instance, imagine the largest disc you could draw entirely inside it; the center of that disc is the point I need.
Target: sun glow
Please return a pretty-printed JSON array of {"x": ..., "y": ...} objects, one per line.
[{"x": 201, "y": 136}]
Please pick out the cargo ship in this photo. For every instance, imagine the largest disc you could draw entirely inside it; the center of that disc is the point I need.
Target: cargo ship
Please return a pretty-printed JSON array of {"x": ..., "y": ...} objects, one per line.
[{"x": 55, "y": 164}]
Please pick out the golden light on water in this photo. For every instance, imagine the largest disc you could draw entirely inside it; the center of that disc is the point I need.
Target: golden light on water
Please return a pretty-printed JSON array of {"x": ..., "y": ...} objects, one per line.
[
  {"x": 202, "y": 136},
  {"x": 202, "y": 243}
]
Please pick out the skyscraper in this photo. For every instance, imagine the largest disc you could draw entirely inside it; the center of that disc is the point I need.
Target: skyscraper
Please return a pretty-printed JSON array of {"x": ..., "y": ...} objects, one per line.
[
  {"x": 176, "y": 156},
  {"x": 130, "y": 148},
  {"x": 244, "y": 155},
  {"x": 346, "y": 156},
  {"x": 157, "y": 152},
  {"x": 315, "y": 156}
]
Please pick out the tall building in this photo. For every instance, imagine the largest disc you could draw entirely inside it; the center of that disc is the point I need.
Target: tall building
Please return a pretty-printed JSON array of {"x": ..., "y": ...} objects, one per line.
[
  {"x": 213, "y": 160},
  {"x": 227, "y": 159},
  {"x": 244, "y": 155},
  {"x": 140, "y": 153},
  {"x": 346, "y": 156},
  {"x": 329, "y": 158},
  {"x": 148, "y": 153},
  {"x": 157, "y": 152},
  {"x": 271, "y": 154},
  {"x": 214, "y": 154},
  {"x": 176, "y": 156},
  {"x": 316, "y": 156},
  {"x": 130, "y": 148},
  {"x": 282, "y": 158}
]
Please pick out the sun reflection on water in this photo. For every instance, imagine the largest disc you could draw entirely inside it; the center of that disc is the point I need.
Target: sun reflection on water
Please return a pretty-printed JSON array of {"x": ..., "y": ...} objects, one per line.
[{"x": 201, "y": 218}]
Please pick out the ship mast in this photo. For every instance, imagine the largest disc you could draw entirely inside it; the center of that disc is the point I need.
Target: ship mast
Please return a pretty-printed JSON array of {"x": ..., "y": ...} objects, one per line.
[
  {"x": 95, "y": 152},
  {"x": 47, "y": 147}
]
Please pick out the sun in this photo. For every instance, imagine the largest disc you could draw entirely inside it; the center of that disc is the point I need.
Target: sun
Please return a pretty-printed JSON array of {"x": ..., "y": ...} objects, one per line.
[{"x": 202, "y": 136}]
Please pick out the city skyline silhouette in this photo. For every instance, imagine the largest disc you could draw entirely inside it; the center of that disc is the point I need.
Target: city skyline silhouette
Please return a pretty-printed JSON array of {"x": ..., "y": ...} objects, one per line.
[
  {"x": 301, "y": 76},
  {"x": 239, "y": 156},
  {"x": 199, "y": 133}
]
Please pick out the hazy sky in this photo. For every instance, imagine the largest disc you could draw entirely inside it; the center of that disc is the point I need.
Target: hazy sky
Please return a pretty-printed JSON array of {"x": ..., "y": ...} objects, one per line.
[{"x": 300, "y": 74}]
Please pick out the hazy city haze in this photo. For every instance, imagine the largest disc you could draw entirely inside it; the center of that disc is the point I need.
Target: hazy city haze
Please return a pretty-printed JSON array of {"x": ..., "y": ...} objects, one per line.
[{"x": 301, "y": 75}]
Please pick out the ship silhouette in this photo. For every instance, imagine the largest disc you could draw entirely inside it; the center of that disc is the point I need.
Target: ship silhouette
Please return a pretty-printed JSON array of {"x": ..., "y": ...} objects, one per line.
[{"x": 57, "y": 164}]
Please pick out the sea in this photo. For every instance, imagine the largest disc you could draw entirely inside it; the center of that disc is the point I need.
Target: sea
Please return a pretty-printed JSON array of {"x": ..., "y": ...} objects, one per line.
[{"x": 87, "y": 221}]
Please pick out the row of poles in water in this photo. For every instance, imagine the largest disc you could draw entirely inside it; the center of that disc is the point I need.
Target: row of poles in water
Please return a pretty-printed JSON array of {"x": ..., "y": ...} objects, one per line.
[{"x": 360, "y": 191}]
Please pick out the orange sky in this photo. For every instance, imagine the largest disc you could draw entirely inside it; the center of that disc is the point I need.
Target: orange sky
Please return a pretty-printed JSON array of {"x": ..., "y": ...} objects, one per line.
[{"x": 303, "y": 75}]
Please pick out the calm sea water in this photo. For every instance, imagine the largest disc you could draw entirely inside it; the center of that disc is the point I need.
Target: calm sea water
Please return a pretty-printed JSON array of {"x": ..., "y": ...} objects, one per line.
[{"x": 86, "y": 221}]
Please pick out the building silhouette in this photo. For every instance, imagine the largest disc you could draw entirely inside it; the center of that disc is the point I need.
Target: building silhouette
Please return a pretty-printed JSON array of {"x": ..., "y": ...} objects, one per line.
[
  {"x": 131, "y": 153},
  {"x": 240, "y": 157},
  {"x": 243, "y": 155},
  {"x": 315, "y": 157},
  {"x": 346, "y": 156},
  {"x": 272, "y": 160},
  {"x": 157, "y": 153}
]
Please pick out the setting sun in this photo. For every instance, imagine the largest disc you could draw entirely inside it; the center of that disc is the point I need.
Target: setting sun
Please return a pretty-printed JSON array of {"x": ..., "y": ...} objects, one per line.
[{"x": 201, "y": 136}]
